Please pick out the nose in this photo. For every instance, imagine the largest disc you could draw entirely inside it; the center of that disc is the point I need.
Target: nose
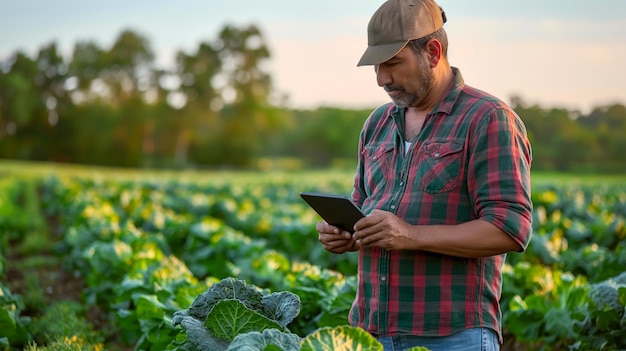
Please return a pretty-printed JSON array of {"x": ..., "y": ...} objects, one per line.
[{"x": 382, "y": 76}]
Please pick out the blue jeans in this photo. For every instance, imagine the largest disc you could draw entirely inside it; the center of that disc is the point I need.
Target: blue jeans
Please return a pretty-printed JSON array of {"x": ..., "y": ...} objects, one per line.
[{"x": 475, "y": 339}]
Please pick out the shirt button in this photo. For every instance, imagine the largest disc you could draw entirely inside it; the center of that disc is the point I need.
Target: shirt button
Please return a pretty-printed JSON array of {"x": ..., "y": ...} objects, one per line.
[
  {"x": 393, "y": 207},
  {"x": 436, "y": 154},
  {"x": 401, "y": 183},
  {"x": 383, "y": 278}
]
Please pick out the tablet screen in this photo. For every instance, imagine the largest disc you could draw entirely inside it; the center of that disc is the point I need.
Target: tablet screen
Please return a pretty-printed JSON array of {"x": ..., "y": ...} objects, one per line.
[{"x": 337, "y": 210}]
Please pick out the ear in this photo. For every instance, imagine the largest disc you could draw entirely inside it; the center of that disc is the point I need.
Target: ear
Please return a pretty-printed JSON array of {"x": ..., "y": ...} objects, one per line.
[{"x": 434, "y": 51}]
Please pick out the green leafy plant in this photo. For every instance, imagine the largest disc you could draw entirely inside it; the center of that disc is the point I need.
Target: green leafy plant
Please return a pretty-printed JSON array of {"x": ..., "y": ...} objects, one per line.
[
  {"x": 231, "y": 308},
  {"x": 552, "y": 315},
  {"x": 147, "y": 248},
  {"x": 234, "y": 316},
  {"x": 606, "y": 322},
  {"x": 13, "y": 325},
  {"x": 340, "y": 338}
]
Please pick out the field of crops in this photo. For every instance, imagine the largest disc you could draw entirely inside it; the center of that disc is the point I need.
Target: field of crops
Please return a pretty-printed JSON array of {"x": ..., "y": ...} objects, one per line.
[{"x": 145, "y": 246}]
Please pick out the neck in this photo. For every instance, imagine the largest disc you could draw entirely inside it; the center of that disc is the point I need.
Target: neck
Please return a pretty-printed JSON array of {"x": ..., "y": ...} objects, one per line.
[{"x": 442, "y": 79}]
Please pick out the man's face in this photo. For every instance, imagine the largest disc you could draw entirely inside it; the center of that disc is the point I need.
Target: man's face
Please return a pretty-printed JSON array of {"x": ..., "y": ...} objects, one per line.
[{"x": 407, "y": 77}]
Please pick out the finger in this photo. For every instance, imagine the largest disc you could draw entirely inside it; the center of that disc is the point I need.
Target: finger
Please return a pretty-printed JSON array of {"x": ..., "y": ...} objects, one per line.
[
  {"x": 366, "y": 230},
  {"x": 324, "y": 227},
  {"x": 338, "y": 246},
  {"x": 334, "y": 238},
  {"x": 346, "y": 235},
  {"x": 328, "y": 232},
  {"x": 376, "y": 216},
  {"x": 368, "y": 237}
]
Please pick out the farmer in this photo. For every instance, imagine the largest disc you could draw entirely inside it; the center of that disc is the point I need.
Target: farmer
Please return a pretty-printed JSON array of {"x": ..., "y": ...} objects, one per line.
[{"x": 444, "y": 176}]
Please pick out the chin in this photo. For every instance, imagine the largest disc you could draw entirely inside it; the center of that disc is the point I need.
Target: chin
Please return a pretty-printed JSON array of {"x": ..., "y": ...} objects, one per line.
[{"x": 401, "y": 103}]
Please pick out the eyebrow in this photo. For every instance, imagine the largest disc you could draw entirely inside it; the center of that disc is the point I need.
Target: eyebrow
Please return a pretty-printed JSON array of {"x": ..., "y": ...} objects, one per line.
[{"x": 394, "y": 59}]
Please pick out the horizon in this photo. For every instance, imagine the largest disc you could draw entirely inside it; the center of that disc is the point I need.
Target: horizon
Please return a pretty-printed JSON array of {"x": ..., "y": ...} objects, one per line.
[{"x": 561, "y": 54}]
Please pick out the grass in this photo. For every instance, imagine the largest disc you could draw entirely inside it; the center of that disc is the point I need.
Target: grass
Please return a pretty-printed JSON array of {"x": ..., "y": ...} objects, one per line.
[
  {"x": 38, "y": 169},
  {"x": 34, "y": 294},
  {"x": 35, "y": 241},
  {"x": 72, "y": 332},
  {"x": 540, "y": 178}
]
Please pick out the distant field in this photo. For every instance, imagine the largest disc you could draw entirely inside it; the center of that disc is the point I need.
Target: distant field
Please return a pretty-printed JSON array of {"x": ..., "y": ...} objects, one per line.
[
  {"x": 582, "y": 178},
  {"x": 39, "y": 168}
]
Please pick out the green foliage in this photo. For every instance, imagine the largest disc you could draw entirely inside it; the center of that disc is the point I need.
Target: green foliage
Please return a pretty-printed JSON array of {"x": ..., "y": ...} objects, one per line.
[
  {"x": 313, "y": 140},
  {"x": 113, "y": 106},
  {"x": 228, "y": 288},
  {"x": 267, "y": 340},
  {"x": 49, "y": 328},
  {"x": 66, "y": 344},
  {"x": 552, "y": 315},
  {"x": 231, "y": 316},
  {"x": 571, "y": 313},
  {"x": 19, "y": 208},
  {"x": 584, "y": 143},
  {"x": 231, "y": 308},
  {"x": 34, "y": 295},
  {"x": 578, "y": 228},
  {"x": 341, "y": 338},
  {"x": 605, "y": 326},
  {"x": 13, "y": 325},
  {"x": 135, "y": 117},
  {"x": 118, "y": 234},
  {"x": 149, "y": 245}
]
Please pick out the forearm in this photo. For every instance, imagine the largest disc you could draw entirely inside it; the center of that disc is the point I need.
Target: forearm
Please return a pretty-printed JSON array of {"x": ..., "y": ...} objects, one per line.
[{"x": 472, "y": 239}]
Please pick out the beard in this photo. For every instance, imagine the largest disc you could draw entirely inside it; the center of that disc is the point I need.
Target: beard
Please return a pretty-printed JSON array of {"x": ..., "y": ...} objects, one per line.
[{"x": 425, "y": 78}]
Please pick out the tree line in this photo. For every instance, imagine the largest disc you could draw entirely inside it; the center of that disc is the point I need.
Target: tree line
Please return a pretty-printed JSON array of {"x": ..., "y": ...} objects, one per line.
[{"x": 218, "y": 108}]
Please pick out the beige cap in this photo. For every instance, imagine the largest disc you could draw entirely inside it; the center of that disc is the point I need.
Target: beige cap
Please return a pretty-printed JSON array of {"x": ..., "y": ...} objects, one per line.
[{"x": 395, "y": 23}]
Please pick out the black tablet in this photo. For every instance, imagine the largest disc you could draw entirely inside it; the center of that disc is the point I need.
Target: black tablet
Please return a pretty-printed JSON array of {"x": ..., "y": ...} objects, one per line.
[{"x": 337, "y": 210}]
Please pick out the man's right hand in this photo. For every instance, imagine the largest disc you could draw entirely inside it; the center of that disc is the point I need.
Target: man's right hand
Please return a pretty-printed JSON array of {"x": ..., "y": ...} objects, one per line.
[{"x": 334, "y": 239}]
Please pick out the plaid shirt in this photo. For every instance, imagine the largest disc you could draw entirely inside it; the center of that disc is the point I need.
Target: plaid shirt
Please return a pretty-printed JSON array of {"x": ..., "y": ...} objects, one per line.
[{"x": 470, "y": 161}]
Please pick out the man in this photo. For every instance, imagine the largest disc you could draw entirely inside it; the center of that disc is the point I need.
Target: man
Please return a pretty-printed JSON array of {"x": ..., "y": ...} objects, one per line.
[{"x": 444, "y": 175}]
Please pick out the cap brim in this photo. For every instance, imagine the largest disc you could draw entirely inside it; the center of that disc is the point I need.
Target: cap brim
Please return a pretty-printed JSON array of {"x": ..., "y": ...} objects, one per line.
[{"x": 377, "y": 54}]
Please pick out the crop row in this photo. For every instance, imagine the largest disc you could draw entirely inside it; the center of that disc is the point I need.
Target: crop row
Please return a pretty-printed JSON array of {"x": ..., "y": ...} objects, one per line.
[{"x": 148, "y": 248}]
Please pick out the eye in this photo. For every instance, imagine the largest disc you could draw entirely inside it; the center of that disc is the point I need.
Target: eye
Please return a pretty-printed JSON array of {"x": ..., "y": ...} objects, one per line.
[{"x": 391, "y": 63}]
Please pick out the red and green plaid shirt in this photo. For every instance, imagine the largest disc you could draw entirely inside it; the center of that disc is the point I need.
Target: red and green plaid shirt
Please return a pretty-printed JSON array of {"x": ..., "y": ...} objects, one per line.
[{"x": 470, "y": 161}]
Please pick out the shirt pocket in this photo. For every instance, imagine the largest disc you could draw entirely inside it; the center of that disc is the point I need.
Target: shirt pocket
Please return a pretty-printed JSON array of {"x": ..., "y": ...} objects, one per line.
[
  {"x": 439, "y": 166},
  {"x": 378, "y": 161}
]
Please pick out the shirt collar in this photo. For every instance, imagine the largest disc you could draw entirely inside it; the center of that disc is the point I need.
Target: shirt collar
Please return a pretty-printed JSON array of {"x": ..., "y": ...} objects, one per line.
[{"x": 451, "y": 97}]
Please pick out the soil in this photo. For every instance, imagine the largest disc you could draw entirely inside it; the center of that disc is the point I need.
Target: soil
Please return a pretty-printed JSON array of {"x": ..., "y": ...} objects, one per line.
[{"x": 56, "y": 284}]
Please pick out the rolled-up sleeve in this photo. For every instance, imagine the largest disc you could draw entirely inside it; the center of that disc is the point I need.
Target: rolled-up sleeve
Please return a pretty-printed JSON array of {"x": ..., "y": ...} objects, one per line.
[{"x": 499, "y": 174}]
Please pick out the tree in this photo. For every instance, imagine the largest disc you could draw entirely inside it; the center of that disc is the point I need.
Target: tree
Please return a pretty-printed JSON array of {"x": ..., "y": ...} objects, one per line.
[
  {"x": 327, "y": 133},
  {"x": 128, "y": 66},
  {"x": 53, "y": 128},
  {"x": 546, "y": 129},
  {"x": 20, "y": 104},
  {"x": 85, "y": 66},
  {"x": 196, "y": 73},
  {"x": 246, "y": 91},
  {"x": 608, "y": 125}
]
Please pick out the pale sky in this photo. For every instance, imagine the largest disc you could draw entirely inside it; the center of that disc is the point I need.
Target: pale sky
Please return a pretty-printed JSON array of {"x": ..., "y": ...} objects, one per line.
[{"x": 555, "y": 53}]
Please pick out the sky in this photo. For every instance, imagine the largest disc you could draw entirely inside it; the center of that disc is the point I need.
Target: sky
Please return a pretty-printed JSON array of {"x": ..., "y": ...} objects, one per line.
[{"x": 554, "y": 53}]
